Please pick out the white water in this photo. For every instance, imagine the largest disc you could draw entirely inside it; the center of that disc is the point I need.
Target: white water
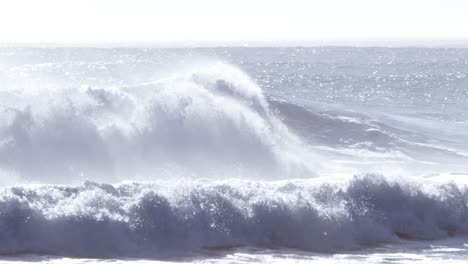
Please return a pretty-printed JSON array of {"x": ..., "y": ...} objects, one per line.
[{"x": 188, "y": 217}]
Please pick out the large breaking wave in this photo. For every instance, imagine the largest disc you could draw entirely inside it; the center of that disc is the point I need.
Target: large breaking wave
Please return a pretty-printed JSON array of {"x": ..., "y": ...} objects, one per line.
[
  {"x": 191, "y": 217},
  {"x": 207, "y": 121}
]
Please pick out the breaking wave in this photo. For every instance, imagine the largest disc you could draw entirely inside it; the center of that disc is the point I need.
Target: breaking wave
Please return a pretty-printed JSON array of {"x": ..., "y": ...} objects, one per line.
[
  {"x": 212, "y": 120},
  {"x": 164, "y": 219}
]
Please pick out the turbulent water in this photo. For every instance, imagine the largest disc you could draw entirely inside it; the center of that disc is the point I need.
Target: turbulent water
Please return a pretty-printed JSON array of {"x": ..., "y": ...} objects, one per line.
[{"x": 234, "y": 155}]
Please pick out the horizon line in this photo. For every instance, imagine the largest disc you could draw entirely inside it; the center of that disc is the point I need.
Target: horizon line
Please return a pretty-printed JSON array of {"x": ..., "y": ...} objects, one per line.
[{"x": 377, "y": 43}]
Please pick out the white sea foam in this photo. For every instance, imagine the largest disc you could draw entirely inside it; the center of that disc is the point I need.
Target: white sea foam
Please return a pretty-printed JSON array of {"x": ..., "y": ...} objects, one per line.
[{"x": 188, "y": 217}]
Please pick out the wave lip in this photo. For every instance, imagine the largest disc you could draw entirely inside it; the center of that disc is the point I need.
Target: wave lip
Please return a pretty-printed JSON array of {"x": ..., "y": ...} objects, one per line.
[{"x": 161, "y": 220}]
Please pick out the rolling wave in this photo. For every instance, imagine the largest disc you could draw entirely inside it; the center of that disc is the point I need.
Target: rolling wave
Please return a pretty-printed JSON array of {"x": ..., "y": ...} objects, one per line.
[{"x": 164, "y": 219}]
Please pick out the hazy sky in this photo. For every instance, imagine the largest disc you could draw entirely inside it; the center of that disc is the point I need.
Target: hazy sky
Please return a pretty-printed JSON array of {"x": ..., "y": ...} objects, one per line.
[{"x": 238, "y": 21}]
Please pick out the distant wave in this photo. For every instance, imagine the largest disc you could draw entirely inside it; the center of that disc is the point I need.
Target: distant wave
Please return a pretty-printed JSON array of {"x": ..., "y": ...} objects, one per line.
[
  {"x": 361, "y": 134},
  {"x": 173, "y": 219}
]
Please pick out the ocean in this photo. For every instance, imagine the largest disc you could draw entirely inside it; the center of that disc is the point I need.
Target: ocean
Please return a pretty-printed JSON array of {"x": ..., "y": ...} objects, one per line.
[{"x": 234, "y": 155}]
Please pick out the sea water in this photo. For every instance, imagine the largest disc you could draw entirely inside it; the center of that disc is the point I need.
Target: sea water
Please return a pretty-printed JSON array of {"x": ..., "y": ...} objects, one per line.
[{"x": 234, "y": 155}]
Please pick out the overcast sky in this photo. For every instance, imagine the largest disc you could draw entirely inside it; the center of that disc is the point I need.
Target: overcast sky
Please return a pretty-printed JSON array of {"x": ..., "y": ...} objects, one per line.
[{"x": 234, "y": 21}]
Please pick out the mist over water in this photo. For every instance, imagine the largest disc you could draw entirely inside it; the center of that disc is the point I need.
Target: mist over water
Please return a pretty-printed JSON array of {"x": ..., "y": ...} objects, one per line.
[{"x": 152, "y": 153}]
